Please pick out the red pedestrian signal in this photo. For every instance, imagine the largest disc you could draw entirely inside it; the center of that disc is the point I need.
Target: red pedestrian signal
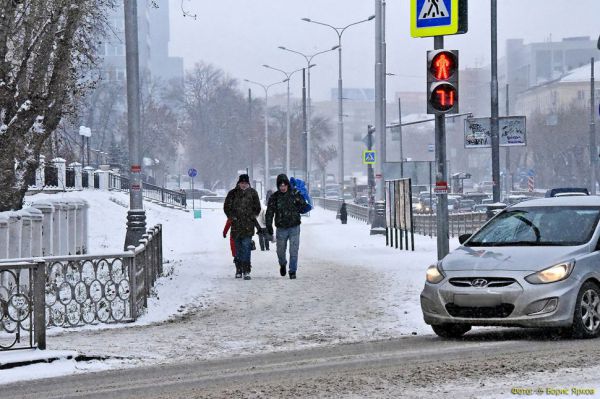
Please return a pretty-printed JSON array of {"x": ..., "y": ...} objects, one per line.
[{"x": 442, "y": 82}]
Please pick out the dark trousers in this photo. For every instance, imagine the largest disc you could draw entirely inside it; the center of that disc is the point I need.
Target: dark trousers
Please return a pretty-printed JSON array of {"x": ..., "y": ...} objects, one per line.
[{"x": 263, "y": 241}]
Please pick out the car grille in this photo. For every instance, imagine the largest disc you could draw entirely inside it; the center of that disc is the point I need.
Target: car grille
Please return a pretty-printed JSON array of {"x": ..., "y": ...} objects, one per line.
[
  {"x": 492, "y": 282},
  {"x": 501, "y": 311}
]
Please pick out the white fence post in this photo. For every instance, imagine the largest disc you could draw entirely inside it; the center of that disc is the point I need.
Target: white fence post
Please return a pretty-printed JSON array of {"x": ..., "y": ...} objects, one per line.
[
  {"x": 14, "y": 234},
  {"x": 84, "y": 226},
  {"x": 71, "y": 227},
  {"x": 40, "y": 175},
  {"x": 61, "y": 166},
  {"x": 80, "y": 225},
  {"x": 3, "y": 236},
  {"x": 25, "y": 234},
  {"x": 47, "y": 210},
  {"x": 36, "y": 230},
  {"x": 78, "y": 172},
  {"x": 56, "y": 228}
]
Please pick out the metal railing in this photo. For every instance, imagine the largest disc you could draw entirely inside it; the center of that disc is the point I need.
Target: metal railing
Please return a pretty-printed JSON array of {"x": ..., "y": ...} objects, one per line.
[
  {"x": 356, "y": 211},
  {"x": 149, "y": 191},
  {"x": 458, "y": 223},
  {"x": 22, "y": 307},
  {"x": 81, "y": 290}
]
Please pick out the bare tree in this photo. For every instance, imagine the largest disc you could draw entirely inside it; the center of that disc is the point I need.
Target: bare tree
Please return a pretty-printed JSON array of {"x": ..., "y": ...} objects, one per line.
[{"x": 47, "y": 51}]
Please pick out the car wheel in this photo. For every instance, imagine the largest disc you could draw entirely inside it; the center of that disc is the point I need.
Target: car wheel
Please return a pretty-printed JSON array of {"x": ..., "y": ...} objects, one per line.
[
  {"x": 586, "y": 320},
  {"x": 450, "y": 330}
]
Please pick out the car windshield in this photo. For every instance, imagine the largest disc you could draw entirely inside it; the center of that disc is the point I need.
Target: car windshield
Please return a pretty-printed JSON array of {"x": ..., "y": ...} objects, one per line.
[{"x": 538, "y": 226}]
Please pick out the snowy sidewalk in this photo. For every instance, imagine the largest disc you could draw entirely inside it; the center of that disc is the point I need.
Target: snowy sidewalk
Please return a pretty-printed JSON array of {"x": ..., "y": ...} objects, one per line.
[{"x": 350, "y": 288}]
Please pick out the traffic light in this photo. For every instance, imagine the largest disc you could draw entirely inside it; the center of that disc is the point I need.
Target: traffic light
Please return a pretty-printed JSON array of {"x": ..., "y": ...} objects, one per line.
[{"x": 442, "y": 81}]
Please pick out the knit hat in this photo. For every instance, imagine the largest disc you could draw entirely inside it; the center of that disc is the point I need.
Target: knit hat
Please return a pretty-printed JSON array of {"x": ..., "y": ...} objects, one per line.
[
  {"x": 282, "y": 178},
  {"x": 244, "y": 178}
]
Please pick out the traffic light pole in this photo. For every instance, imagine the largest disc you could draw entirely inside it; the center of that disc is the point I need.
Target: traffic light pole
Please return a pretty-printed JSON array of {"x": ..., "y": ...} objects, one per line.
[
  {"x": 494, "y": 128},
  {"x": 441, "y": 173}
]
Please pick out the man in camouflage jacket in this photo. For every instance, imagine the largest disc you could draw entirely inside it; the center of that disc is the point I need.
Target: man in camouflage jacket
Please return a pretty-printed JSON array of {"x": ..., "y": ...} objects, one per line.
[{"x": 242, "y": 206}]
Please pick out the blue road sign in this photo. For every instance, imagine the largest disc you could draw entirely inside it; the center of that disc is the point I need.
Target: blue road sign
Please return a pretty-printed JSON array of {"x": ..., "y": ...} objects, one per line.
[
  {"x": 434, "y": 17},
  {"x": 531, "y": 172},
  {"x": 369, "y": 157},
  {"x": 192, "y": 172}
]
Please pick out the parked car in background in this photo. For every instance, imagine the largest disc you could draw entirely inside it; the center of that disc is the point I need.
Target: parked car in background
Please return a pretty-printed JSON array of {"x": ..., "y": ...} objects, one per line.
[
  {"x": 465, "y": 205},
  {"x": 534, "y": 265},
  {"x": 362, "y": 200},
  {"x": 566, "y": 191},
  {"x": 485, "y": 186}
]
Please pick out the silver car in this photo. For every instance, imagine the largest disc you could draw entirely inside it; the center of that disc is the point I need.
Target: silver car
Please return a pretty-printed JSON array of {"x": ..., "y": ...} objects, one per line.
[{"x": 535, "y": 264}]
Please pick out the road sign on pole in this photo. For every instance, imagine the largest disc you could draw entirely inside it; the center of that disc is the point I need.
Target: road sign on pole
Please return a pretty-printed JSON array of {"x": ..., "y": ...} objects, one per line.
[
  {"x": 512, "y": 132},
  {"x": 438, "y": 17},
  {"x": 192, "y": 172},
  {"x": 368, "y": 157}
]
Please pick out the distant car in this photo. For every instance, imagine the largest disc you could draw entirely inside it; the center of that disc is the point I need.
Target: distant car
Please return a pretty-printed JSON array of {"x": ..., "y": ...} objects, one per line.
[
  {"x": 315, "y": 192},
  {"x": 566, "y": 191},
  {"x": 198, "y": 193},
  {"x": 534, "y": 265},
  {"x": 486, "y": 186},
  {"x": 480, "y": 208},
  {"x": 361, "y": 200},
  {"x": 465, "y": 205}
]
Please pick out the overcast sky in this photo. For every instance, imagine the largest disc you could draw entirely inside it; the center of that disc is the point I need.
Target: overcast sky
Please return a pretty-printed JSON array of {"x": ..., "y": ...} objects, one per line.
[{"x": 239, "y": 36}]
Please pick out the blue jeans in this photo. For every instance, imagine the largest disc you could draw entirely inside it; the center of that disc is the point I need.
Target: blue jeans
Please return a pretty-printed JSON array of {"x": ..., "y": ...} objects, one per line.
[
  {"x": 243, "y": 248},
  {"x": 283, "y": 235}
]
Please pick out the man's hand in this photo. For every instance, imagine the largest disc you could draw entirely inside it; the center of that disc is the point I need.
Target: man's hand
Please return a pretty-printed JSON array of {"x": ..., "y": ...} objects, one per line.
[{"x": 224, "y": 235}]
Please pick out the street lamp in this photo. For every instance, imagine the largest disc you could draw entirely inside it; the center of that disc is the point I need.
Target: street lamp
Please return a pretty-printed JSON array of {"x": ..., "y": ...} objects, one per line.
[
  {"x": 339, "y": 32},
  {"x": 288, "y": 76},
  {"x": 266, "y": 89},
  {"x": 308, "y": 59}
]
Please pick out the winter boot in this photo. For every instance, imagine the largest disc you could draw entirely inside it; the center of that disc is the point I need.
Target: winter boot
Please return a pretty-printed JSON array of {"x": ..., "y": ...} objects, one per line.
[
  {"x": 238, "y": 269},
  {"x": 292, "y": 275},
  {"x": 247, "y": 267}
]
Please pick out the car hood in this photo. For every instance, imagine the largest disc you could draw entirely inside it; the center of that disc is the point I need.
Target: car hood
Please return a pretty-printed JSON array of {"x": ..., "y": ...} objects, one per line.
[{"x": 509, "y": 258}]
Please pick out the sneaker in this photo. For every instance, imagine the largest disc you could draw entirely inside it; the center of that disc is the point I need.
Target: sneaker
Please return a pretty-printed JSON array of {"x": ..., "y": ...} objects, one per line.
[
  {"x": 282, "y": 271},
  {"x": 247, "y": 276},
  {"x": 292, "y": 275}
]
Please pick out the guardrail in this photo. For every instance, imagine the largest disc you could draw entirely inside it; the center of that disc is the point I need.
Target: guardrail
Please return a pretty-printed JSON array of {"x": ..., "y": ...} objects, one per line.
[
  {"x": 458, "y": 223},
  {"x": 356, "y": 211},
  {"x": 80, "y": 290}
]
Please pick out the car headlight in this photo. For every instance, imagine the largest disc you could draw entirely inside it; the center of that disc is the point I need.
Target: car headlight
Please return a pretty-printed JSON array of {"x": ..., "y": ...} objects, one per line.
[
  {"x": 552, "y": 274},
  {"x": 434, "y": 274}
]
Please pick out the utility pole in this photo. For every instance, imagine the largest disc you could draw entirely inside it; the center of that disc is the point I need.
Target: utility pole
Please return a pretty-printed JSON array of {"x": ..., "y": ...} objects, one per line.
[
  {"x": 494, "y": 127},
  {"x": 400, "y": 133},
  {"x": 251, "y": 134},
  {"x": 378, "y": 224},
  {"x": 370, "y": 174},
  {"x": 305, "y": 124},
  {"x": 441, "y": 174},
  {"x": 136, "y": 216},
  {"x": 508, "y": 176},
  {"x": 593, "y": 150}
]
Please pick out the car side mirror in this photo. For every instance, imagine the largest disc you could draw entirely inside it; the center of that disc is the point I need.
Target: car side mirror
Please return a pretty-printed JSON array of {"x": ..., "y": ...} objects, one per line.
[{"x": 463, "y": 237}]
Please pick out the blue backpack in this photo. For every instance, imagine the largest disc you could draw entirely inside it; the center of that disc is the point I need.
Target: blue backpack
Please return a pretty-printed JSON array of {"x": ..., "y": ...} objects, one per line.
[{"x": 301, "y": 187}]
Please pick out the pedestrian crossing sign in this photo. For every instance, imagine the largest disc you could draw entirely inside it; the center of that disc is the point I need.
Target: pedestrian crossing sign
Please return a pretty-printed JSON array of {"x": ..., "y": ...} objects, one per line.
[
  {"x": 437, "y": 17},
  {"x": 368, "y": 157}
]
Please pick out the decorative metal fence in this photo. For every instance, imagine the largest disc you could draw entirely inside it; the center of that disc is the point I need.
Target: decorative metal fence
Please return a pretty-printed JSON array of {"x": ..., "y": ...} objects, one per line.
[
  {"x": 78, "y": 290},
  {"x": 22, "y": 305}
]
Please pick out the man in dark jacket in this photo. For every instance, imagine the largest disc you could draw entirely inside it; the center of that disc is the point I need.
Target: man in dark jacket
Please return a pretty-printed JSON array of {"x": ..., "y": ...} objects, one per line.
[
  {"x": 242, "y": 206},
  {"x": 285, "y": 205}
]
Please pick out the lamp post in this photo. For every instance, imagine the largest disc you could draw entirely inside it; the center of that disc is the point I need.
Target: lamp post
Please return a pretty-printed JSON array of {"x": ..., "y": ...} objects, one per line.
[
  {"x": 266, "y": 89},
  {"x": 308, "y": 59},
  {"x": 288, "y": 76},
  {"x": 340, "y": 32}
]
